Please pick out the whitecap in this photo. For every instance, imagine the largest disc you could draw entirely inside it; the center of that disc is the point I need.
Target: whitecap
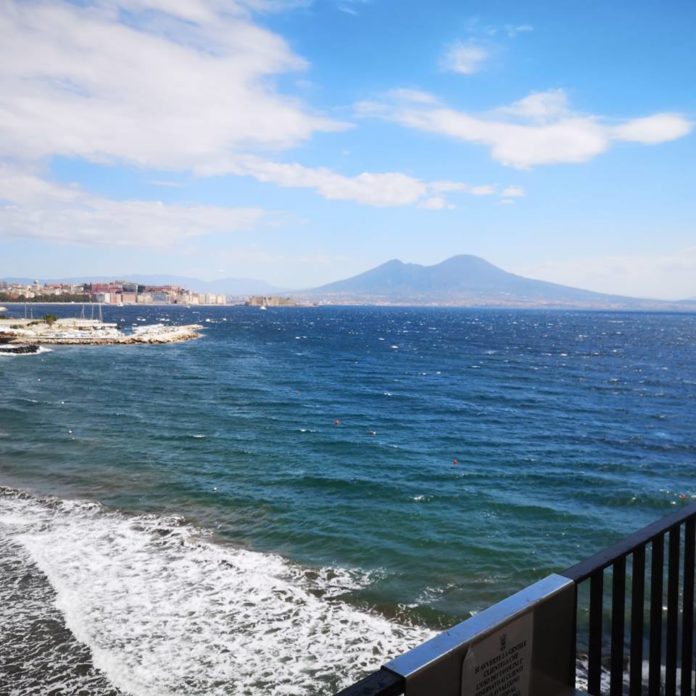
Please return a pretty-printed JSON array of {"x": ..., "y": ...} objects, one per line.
[{"x": 166, "y": 611}]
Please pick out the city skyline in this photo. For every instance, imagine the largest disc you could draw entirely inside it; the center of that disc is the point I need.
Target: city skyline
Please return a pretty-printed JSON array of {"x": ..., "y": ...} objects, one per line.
[{"x": 299, "y": 142}]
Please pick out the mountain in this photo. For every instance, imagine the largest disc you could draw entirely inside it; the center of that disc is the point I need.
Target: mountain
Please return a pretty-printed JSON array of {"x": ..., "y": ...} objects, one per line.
[
  {"x": 223, "y": 286},
  {"x": 465, "y": 280}
]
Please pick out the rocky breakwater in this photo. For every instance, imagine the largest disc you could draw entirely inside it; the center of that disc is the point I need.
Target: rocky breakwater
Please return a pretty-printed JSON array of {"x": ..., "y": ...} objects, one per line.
[
  {"x": 160, "y": 333},
  {"x": 92, "y": 332}
]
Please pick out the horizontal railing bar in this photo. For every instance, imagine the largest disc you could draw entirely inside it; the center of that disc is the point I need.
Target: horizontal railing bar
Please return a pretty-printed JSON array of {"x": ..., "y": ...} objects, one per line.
[
  {"x": 581, "y": 571},
  {"x": 384, "y": 682}
]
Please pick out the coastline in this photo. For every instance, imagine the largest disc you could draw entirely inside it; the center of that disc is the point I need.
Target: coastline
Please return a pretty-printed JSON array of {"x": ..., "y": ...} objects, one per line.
[{"x": 92, "y": 332}]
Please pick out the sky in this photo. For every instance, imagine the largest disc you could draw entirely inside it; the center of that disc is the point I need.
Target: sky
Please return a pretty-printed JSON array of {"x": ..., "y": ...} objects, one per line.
[{"x": 304, "y": 141}]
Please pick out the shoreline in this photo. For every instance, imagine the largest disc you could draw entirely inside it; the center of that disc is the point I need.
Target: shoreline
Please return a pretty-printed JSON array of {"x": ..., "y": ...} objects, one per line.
[
  {"x": 92, "y": 332},
  {"x": 21, "y": 303}
]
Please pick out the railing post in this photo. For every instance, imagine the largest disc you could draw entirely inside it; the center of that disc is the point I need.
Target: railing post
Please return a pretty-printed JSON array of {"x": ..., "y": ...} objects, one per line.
[
  {"x": 637, "y": 621},
  {"x": 687, "y": 663},
  {"x": 656, "y": 593},
  {"x": 618, "y": 607}
]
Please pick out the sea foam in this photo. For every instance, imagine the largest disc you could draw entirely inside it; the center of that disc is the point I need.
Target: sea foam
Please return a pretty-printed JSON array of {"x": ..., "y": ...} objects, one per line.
[{"x": 165, "y": 610}]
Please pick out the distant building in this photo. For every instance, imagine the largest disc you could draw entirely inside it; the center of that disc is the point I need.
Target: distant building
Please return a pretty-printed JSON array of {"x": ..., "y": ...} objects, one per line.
[
  {"x": 270, "y": 301},
  {"x": 113, "y": 292}
]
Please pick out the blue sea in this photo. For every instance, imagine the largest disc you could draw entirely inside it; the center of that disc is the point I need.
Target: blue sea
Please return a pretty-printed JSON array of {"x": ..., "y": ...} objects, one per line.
[{"x": 303, "y": 493}]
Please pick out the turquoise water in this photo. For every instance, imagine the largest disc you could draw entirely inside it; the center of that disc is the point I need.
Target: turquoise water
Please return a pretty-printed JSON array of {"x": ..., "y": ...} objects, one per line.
[{"x": 408, "y": 465}]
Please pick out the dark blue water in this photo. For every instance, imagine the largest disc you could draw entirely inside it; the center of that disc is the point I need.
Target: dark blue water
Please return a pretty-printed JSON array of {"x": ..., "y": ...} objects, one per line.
[{"x": 451, "y": 456}]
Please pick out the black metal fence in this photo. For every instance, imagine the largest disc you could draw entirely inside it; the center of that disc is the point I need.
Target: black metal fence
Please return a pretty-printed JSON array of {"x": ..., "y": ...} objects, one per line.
[
  {"x": 635, "y": 616},
  {"x": 648, "y": 620}
]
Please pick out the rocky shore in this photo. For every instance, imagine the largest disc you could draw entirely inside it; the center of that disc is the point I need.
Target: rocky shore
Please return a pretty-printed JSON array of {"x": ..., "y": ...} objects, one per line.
[{"x": 91, "y": 332}]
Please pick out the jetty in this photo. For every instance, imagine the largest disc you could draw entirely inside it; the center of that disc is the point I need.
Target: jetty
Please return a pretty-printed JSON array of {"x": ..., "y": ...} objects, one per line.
[{"x": 91, "y": 332}]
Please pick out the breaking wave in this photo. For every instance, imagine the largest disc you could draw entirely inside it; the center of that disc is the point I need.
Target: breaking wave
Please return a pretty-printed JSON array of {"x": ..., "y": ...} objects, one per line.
[{"x": 153, "y": 606}]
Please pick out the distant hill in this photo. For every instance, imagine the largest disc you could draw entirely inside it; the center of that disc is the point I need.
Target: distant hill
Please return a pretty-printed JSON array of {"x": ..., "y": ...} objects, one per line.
[
  {"x": 465, "y": 280},
  {"x": 224, "y": 286}
]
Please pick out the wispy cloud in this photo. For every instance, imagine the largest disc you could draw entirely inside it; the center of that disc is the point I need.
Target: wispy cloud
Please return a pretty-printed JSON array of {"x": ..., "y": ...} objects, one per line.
[
  {"x": 435, "y": 203},
  {"x": 475, "y": 27},
  {"x": 470, "y": 55},
  {"x": 670, "y": 276},
  {"x": 512, "y": 30},
  {"x": 379, "y": 189},
  {"x": 465, "y": 58},
  {"x": 168, "y": 85},
  {"x": 164, "y": 85},
  {"x": 351, "y": 7},
  {"x": 31, "y": 207},
  {"x": 512, "y": 192},
  {"x": 536, "y": 130}
]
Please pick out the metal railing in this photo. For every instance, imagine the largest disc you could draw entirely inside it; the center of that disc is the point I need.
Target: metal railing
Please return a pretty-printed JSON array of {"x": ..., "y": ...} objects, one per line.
[
  {"x": 612, "y": 638},
  {"x": 632, "y": 565}
]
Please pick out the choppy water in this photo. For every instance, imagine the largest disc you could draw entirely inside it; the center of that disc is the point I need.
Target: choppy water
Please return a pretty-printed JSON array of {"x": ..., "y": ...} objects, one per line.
[{"x": 284, "y": 504}]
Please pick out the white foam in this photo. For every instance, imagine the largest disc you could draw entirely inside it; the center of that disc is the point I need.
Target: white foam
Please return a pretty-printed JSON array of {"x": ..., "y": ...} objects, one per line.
[
  {"x": 166, "y": 611},
  {"x": 39, "y": 351}
]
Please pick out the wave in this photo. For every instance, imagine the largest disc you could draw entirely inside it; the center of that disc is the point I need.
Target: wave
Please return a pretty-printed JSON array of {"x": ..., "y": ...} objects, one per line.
[
  {"x": 21, "y": 354},
  {"x": 163, "y": 609}
]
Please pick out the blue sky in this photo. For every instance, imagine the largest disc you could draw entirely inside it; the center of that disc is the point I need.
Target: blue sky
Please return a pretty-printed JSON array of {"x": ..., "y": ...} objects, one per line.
[{"x": 304, "y": 141}]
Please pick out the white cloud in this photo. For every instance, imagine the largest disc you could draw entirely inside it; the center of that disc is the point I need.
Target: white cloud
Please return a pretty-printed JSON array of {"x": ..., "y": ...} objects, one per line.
[
  {"x": 414, "y": 95},
  {"x": 377, "y": 189},
  {"x": 512, "y": 30},
  {"x": 173, "y": 86},
  {"x": 512, "y": 192},
  {"x": 539, "y": 129},
  {"x": 464, "y": 58},
  {"x": 670, "y": 276},
  {"x": 448, "y": 186},
  {"x": 434, "y": 203},
  {"x": 652, "y": 130},
  {"x": 485, "y": 190},
  {"x": 539, "y": 106},
  {"x": 351, "y": 6},
  {"x": 31, "y": 207},
  {"x": 166, "y": 85},
  {"x": 380, "y": 189}
]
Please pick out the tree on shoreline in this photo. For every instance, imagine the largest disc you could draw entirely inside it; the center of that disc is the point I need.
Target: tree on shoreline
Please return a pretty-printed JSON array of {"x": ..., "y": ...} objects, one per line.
[{"x": 44, "y": 299}]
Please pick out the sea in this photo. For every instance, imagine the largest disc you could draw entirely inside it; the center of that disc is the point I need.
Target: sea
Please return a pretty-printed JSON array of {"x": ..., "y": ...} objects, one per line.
[{"x": 300, "y": 495}]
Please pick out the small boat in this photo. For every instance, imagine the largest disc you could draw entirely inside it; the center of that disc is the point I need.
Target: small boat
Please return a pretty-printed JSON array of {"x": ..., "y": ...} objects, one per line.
[{"x": 263, "y": 306}]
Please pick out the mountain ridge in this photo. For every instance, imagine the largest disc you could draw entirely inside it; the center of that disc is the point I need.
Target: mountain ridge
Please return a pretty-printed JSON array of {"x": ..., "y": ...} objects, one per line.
[
  {"x": 469, "y": 280},
  {"x": 461, "y": 280}
]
